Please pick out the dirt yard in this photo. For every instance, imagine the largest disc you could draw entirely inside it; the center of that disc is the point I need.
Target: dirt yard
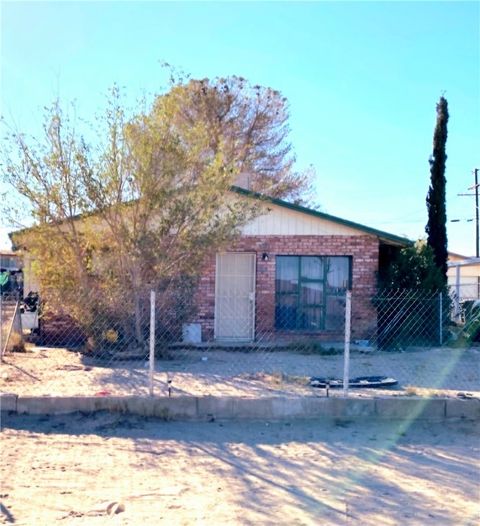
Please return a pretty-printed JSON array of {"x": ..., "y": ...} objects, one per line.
[
  {"x": 55, "y": 371},
  {"x": 80, "y": 470}
]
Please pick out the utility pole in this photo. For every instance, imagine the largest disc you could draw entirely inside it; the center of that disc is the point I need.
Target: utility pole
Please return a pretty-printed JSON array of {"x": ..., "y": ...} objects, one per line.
[
  {"x": 477, "y": 227},
  {"x": 477, "y": 254}
]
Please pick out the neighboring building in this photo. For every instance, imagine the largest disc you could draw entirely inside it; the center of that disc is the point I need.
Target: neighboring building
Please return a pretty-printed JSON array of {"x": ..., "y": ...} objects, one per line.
[
  {"x": 464, "y": 276},
  {"x": 9, "y": 261},
  {"x": 12, "y": 264}
]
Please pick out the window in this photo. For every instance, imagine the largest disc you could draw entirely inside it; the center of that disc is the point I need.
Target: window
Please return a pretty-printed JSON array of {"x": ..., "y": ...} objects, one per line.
[
  {"x": 8, "y": 262},
  {"x": 310, "y": 292}
]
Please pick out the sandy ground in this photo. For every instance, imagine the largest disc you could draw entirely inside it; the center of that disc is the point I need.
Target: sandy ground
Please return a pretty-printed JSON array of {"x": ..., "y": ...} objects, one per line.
[
  {"x": 55, "y": 371},
  {"x": 71, "y": 469}
]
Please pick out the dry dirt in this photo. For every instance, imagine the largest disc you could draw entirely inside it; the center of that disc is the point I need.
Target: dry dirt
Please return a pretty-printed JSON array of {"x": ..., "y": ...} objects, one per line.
[
  {"x": 56, "y": 371},
  {"x": 79, "y": 470}
]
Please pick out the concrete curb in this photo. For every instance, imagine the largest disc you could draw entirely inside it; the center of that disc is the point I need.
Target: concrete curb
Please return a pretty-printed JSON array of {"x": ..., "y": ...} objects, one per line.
[
  {"x": 238, "y": 408},
  {"x": 8, "y": 402},
  {"x": 469, "y": 409}
]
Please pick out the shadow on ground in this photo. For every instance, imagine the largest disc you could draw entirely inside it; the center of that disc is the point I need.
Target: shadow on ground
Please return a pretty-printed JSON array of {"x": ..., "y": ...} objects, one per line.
[{"x": 299, "y": 472}]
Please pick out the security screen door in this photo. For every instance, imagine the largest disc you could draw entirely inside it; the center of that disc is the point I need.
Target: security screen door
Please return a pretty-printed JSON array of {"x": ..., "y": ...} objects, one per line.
[{"x": 235, "y": 297}]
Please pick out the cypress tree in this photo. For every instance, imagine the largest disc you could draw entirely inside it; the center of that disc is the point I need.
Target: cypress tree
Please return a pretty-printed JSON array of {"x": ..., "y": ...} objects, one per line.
[{"x": 436, "y": 228}]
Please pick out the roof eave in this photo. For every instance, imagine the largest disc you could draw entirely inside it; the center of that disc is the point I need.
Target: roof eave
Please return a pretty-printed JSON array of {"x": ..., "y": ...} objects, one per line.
[{"x": 384, "y": 237}]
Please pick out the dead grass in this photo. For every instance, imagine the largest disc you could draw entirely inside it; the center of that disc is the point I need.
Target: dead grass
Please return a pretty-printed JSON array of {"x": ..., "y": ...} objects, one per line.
[{"x": 63, "y": 372}]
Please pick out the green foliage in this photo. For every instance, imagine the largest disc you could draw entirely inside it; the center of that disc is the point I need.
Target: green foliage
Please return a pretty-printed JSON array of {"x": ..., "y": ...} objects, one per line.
[
  {"x": 436, "y": 228},
  {"x": 154, "y": 202},
  {"x": 409, "y": 299},
  {"x": 470, "y": 331},
  {"x": 249, "y": 124},
  {"x": 414, "y": 268}
]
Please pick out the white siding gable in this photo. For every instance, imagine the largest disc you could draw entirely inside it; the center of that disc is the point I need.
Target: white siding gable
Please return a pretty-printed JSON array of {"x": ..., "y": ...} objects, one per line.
[{"x": 281, "y": 221}]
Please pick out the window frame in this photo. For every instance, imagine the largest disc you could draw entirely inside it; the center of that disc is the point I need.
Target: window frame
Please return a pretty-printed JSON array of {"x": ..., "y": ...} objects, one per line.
[{"x": 301, "y": 306}]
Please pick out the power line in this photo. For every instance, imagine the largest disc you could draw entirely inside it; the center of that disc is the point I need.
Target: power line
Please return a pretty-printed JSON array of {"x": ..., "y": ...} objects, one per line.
[{"x": 475, "y": 194}]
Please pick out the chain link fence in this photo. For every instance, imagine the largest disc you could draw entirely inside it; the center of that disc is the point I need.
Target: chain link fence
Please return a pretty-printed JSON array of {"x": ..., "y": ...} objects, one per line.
[
  {"x": 427, "y": 341},
  {"x": 168, "y": 343},
  {"x": 11, "y": 332}
]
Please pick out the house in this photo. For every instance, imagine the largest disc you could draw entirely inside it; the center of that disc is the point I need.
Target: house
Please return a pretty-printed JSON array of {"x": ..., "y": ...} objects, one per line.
[
  {"x": 464, "y": 276},
  {"x": 287, "y": 276}
]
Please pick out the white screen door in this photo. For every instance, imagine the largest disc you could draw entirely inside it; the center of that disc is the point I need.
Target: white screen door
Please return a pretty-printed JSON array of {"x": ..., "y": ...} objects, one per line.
[{"x": 235, "y": 297}]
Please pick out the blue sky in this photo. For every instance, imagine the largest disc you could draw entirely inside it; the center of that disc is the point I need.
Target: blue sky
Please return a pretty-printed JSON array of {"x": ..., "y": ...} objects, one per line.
[{"x": 362, "y": 79}]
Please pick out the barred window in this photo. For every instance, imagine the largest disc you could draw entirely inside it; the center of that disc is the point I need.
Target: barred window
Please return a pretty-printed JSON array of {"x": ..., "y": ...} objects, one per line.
[{"x": 310, "y": 292}]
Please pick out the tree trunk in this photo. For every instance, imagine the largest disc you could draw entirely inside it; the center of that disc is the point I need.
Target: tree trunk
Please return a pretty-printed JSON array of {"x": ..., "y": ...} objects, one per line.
[
  {"x": 137, "y": 303},
  {"x": 138, "y": 319}
]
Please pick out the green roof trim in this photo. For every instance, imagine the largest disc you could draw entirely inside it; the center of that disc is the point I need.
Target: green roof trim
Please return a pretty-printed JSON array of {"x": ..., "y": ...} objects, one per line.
[{"x": 383, "y": 236}]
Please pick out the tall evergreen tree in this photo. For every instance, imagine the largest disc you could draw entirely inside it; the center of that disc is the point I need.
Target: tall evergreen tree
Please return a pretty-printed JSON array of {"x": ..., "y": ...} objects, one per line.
[{"x": 436, "y": 228}]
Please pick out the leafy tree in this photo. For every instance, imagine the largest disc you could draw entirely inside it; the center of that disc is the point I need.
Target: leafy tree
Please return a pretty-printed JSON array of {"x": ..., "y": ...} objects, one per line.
[
  {"x": 414, "y": 268},
  {"x": 249, "y": 124},
  {"x": 408, "y": 302},
  {"x": 436, "y": 228},
  {"x": 154, "y": 205}
]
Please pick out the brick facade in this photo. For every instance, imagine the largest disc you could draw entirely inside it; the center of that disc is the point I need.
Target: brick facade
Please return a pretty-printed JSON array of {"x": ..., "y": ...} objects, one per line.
[{"x": 363, "y": 249}]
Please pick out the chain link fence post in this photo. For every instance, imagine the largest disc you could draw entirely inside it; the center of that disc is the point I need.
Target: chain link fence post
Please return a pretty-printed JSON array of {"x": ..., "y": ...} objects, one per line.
[
  {"x": 346, "y": 357},
  {"x": 151, "y": 360}
]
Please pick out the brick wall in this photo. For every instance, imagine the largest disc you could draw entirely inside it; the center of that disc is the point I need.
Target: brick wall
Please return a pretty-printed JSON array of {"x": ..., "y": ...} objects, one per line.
[
  {"x": 62, "y": 330},
  {"x": 362, "y": 249}
]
